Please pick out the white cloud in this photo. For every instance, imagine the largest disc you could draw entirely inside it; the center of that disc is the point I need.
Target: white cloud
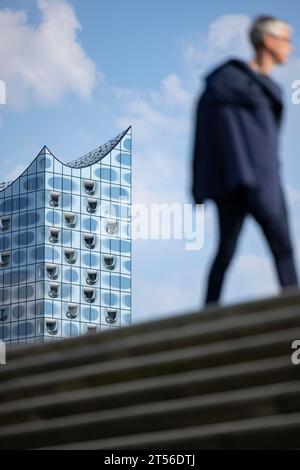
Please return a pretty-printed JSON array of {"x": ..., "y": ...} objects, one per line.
[
  {"x": 227, "y": 35},
  {"x": 173, "y": 92},
  {"x": 159, "y": 139},
  {"x": 44, "y": 61}
]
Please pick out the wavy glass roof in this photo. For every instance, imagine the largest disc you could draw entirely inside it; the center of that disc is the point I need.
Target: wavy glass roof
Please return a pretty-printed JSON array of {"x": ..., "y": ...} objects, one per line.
[
  {"x": 89, "y": 158},
  {"x": 95, "y": 155},
  {"x": 4, "y": 185}
]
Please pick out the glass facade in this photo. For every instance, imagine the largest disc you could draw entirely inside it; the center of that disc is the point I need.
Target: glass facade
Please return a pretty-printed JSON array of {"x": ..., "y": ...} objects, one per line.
[{"x": 65, "y": 245}]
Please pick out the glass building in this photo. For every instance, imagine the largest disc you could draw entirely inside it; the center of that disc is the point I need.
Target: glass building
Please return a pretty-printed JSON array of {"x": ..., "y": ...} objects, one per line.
[{"x": 65, "y": 245}]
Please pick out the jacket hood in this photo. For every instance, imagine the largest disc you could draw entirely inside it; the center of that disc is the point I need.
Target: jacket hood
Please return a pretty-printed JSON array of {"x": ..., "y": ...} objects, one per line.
[{"x": 236, "y": 82}]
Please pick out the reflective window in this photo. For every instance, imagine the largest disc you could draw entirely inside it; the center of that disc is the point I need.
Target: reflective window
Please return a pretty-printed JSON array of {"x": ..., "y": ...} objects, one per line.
[
  {"x": 112, "y": 314},
  {"x": 4, "y": 223},
  {"x": 54, "y": 198},
  {"x": 91, "y": 205},
  {"x": 89, "y": 240},
  {"x": 71, "y": 275},
  {"x": 66, "y": 201},
  {"x": 91, "y": 276},
  {"x": 4, "y": 312},
  {"x": 51, "y": 326},
  {"x": 123, "y": 159},
  {"x": 126, "y": 300},
  {"x": 4, "y": 295},
  {"x": 52, "y": 253},
  {"x": 14, "y": 204},
  {"x": 28, "y": 218},
  {"x": 127, "y": 265},
  {"x": 126, "y": 177},
  {"x": 26, "y": 291},
  {"x": 54, "y": 235},
  {"x": 109, "y": 261},
  {"x": 109, "y": 298},
  {"x": 91, "y": 328},
  {"x": 115, "y": 281},
  {"x": 52, "y": 271},
  {"x": 18, "y": 311},
  {"x": 111, "y": 226},
  {"x": 24, "y": 238},
  {"x": 115, "y": 244},
  {"x": 127, "y": 144},
  {"x": 94, "y": 314},
  {"x": 66, "y": 237},
  {"x": 53, "y": 289},
  {"x": 44, "y": 162},
  {"x": 125, "y": 283},
  {"x": 70, "y": 219},
  {"x": 58, "y": 182},
  {"x": 4, "y": 258},
  {"x": 72, "y": 310},
  {"x": 4, "y": 243},
  {"x": 125, "y": 246},
  {"x": 53, "y": 217},
  {"x": 34, "y": 183},
  {"x": 15, "y": 277},
  {"x": 70, "y": 255},
  {"x": 107, "y": 174},
  {"x": 19, "y": 256},
  {"x": 4, "y": 332},
  {"x": 89, "y": 294},
  {"x": 89, "y": 186}
]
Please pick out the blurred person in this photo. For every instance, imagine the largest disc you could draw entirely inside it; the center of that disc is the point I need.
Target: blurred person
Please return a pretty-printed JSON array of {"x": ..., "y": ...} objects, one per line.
[{"x": 235, "y": 156}]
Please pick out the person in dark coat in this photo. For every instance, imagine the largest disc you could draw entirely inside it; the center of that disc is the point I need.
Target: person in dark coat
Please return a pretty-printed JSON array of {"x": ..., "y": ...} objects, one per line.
[{"x": 235, "y": 157}]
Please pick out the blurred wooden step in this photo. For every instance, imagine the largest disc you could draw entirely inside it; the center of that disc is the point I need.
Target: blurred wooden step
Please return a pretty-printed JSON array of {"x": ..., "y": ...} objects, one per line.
[
  {"x": 289, "y": 298},
  {"x": 220, "y": 378},
  {"x": 150, "y": 342},
  {"x": 267, "y": 432},
  {"x": 150, "y": 390},
  {"x": 170, "y": 414},
  {"x": 209, "y": 355}
]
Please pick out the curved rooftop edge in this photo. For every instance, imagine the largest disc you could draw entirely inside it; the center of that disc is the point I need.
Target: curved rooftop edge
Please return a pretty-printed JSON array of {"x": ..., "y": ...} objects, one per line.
[
  {"x": 85, "y": 160},
  {"x": 95, "y": 155}
]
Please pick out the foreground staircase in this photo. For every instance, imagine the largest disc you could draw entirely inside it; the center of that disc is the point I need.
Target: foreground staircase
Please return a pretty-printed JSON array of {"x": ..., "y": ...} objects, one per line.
[{"x": 221, "y": 378}]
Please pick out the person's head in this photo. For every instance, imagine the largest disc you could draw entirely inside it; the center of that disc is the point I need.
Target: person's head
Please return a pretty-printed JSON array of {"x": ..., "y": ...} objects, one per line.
[{"x": 273, "y": 36}]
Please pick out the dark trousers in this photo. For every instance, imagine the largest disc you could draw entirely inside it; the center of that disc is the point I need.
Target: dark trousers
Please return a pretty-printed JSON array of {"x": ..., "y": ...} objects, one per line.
[{"x": 232, "y": 211}]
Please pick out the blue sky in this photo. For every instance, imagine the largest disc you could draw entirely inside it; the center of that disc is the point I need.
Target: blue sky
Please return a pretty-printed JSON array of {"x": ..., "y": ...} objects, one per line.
[{"x": 79, "y": 72}]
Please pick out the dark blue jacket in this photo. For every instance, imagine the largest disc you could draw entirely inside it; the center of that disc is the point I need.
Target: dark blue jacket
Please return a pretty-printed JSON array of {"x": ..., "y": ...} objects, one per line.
[{"x": 236, "y": 136}]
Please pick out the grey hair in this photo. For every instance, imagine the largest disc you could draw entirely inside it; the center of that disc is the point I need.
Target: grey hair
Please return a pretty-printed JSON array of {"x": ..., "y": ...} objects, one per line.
[{"x": 266, "y": 25}]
